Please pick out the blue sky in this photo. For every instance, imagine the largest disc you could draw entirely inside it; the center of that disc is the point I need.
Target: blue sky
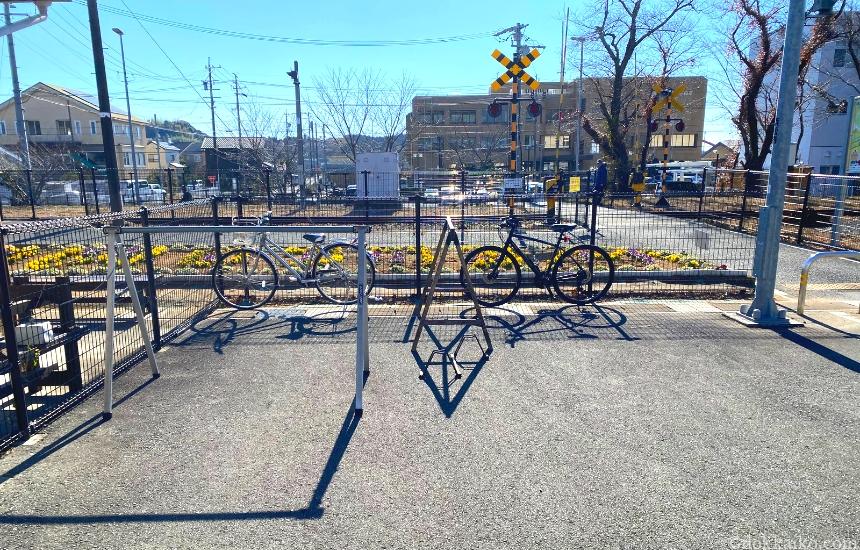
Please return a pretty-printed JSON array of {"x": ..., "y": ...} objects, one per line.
[{"x": 58, "y": 51}]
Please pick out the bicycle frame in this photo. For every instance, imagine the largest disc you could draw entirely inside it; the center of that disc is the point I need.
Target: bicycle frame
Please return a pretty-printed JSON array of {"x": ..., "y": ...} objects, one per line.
[
  {"x": 511, "y": 241},
  {"x": 283, "y": 258}
]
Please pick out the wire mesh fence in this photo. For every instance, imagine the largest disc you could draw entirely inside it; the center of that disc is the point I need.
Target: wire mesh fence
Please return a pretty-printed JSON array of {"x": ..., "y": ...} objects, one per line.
[
  {"x": 53, "y": 291},
  {"x": 698, "y": 241}
]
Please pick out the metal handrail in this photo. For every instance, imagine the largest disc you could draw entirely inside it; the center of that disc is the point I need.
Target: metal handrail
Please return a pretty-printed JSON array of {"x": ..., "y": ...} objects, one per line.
[{"x": 807, "y": 264}]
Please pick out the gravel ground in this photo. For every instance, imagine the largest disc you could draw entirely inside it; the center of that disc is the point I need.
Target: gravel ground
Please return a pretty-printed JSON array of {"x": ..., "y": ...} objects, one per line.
[{"x": 622, "y": 427}]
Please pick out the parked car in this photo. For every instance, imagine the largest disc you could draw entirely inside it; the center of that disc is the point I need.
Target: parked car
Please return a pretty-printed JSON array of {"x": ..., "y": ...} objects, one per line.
[
  {"x": 146, "y": 192},
  {"x": 351, "y": 191}
]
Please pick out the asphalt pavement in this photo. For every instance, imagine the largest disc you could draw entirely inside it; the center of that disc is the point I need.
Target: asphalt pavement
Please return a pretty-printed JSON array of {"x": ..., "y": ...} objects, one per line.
[{"x": 634, "y": 425}]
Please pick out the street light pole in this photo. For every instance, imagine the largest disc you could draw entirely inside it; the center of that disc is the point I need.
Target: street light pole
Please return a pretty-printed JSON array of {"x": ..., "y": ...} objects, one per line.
[{"x": 128, "y": 107}]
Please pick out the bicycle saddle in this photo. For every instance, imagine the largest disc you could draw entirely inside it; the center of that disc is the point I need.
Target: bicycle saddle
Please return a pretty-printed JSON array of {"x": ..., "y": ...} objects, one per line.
[
  {"x": 562, "y": 227},
  {"x": 314, "y": 237}
]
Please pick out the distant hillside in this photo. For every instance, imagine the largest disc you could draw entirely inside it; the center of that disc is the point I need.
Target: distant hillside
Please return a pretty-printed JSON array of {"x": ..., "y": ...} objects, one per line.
[{"x": 174, "y": 129}]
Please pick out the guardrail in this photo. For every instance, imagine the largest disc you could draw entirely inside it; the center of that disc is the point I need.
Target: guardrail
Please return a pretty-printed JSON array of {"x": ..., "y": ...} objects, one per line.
[{"x": 807, "y": 264}]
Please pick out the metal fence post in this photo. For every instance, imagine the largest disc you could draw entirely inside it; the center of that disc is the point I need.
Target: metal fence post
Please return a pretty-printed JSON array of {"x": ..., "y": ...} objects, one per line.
[
  {"x": 418, "y": 287},
  {"x": 240, "y": 211},
  {"x": 170, "y": 185},
  {"x": 462, "y": 203},
  {"x": 268, "y": 174},
  {"x": 704, "y": 187},
  {"x": 744, "y": 201},
  {"x": 84, "y": 200},
  {"x": 150, "y": 282},
  {"x": 95, "y": 189},
  {"x": 17, "y": 379},
  {"x": 365, "y": 173},
  {"x": 215, "y": 222},
  {"x": 803, "y": 208},
  {"x": 30, "y": 190}
]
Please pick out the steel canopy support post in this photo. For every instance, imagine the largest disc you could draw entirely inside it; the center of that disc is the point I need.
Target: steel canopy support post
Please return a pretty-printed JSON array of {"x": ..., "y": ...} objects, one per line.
[{"x": 763, "y": 310}]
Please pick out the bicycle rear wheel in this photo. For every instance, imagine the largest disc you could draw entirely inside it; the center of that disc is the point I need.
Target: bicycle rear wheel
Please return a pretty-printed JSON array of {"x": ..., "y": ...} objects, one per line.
[
  {"x": 495, "y": 275},
  {"x": 583, "y": 274},
  {"x": 244, "y": 278},
  {"x": 335, "y": 273}
]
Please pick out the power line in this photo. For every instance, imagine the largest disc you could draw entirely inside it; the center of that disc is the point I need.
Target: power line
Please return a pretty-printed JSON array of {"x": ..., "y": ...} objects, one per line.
[
  {"x": 287, "y": 40},
  {"x": 175, "y": 66}
]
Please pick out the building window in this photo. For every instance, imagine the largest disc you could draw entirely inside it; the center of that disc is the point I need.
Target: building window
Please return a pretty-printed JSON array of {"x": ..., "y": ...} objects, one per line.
[
  {"x": 3, "y": 127},
  {"x": 34, "y": 128},
  {"x": 137, "y": 131},
  {"x": 683, "y": 140},
  {"x": 171, "y": 157},
  {"x": 463, "y": 117},
  {"x": 839, "y": 57},
  {"x": 830, "y": 169},
  {"x": 549, "y": 142},
  {"x": 504, "y": 116},
  {"x": 141, "y": 159},
  {"x": 430, "y": 144},
  {"x": 153, "y": 158},
  {"x": 675, "y": 140},
  {"x": 64, "y": 128},
  {"x": 553, "y": 91},
  {"x": 94, "y": 127},
  {"x": 528, "y": 140},
  {"x": 430, "y": 117},
  {"x": 595, "y": 148},
  {"x": 78, "y": 127}
]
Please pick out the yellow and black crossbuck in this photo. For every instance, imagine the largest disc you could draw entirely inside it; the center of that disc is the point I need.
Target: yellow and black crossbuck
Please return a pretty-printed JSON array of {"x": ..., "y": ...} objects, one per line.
[{"x": 517, "y": 69}]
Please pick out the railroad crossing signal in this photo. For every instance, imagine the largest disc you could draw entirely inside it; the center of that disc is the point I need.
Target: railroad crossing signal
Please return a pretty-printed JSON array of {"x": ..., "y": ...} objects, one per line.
[
  {"x": 517, "y": 69},
  {"x": 669, "y": 98}
]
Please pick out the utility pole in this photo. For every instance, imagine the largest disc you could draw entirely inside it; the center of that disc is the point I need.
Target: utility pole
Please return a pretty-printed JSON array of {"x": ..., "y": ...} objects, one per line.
[
  {"x": 561, "y": 95},
  {"x": 294, "y": 74},
  {"x": 104, "y": 107},
  {"x": 130, "y": 127},
  {"x": 324, "y": 157},
  {"x": 312, "y": 151},
  {"x": 212, "y": 110},
  {"x": 238, "y": 116},
  {"x": 20, "y": 126},
  {"x": 580, "y": 99}
]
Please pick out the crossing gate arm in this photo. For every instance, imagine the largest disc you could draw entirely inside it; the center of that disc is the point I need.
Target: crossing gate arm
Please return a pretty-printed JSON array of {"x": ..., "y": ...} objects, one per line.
[
  {"x": 807, "y": 265},
  {"x": 116, "y": 252}
]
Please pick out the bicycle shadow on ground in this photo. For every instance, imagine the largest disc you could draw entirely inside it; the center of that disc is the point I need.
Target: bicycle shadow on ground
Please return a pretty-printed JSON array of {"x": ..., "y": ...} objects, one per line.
[
  {"x": 557, "y": 323},
  {"x": 264, "y": 327}
]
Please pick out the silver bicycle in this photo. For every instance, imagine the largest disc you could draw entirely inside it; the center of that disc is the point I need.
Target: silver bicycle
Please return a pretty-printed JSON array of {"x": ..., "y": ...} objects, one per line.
[{"x": 245, "y": 277}]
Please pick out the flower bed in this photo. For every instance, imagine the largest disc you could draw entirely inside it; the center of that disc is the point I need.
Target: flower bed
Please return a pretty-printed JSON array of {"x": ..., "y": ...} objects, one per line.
[{"x": 192, "y": 259}]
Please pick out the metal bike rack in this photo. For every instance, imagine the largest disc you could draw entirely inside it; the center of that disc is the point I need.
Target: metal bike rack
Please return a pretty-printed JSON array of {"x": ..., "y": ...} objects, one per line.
[
  {"x": 116, "y": 251},
  {"x": 807, "y": 264}
]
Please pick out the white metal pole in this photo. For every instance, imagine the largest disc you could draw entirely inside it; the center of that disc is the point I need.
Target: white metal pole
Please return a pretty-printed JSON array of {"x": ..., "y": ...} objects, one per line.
[
  {"x": 361, "y": 352},
  {"x": 763, "y": 309},
  {"x": 138, "y": 310},
  {"x": 109, "y": 323}
]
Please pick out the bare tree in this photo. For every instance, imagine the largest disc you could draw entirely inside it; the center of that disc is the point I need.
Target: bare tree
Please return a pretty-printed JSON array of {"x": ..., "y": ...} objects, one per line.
[
  {"x": 366, "y": 111},
  {"x": 621, "y": 27},
  {"x": 265, "y": 148},
  {"x": 751, "y": 68}
]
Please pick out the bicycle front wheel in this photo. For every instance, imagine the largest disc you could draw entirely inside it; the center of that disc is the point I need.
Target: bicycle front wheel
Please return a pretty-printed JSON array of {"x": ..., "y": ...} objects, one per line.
[
  {"x": 583, "y": 274},
  {"x": 244, "y": 278},
  {"x": 494, "y": 273},
  {"x": 335, "y": 273}
]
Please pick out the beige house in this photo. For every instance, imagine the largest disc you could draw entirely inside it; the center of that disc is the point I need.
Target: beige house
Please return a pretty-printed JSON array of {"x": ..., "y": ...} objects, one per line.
[{"x": 60, "y": 121}]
